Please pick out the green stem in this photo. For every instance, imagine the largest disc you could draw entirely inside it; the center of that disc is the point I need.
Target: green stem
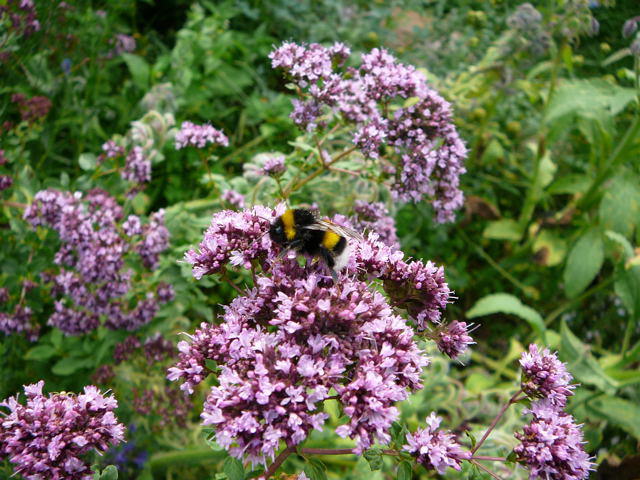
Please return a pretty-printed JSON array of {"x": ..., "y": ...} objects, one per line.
[
  {"x": 626, "y": 340},
  {"x": 479, "y": 250},
  {"x": 290, "y": 189},
  {"x": 558, "y": 311},
  {"x": 614, "y": 161}
]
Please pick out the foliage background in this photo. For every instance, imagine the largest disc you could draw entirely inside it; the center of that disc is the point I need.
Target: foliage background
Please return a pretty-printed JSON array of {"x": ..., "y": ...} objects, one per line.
[{"x": 545, "y": 249}]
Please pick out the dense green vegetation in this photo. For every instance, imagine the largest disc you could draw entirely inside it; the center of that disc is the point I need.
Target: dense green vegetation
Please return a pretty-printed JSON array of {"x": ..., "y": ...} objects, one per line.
[{"x": 544, "y": 250}]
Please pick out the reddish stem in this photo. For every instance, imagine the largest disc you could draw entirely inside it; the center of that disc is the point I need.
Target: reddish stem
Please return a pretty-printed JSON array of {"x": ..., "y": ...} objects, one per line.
[
  {"x": 511, "y": 401},
  {"x": 277, "y": 462}
]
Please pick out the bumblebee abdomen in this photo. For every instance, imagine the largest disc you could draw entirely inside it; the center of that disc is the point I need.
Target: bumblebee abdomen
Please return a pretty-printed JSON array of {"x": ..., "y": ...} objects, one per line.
[{"x": 333, "y": 242}]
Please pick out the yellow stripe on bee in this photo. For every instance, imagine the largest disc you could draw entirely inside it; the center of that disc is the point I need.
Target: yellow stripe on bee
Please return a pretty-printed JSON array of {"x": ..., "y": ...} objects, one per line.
[
  {"x": 288, "y": 222},
  {"x": 330, "y": 239}
]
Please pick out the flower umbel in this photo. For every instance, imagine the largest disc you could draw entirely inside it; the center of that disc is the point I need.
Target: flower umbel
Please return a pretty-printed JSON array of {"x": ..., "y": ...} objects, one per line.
[
  {"x": 544, "y": 376},
  {"x": 435, "y": 449},
  {"x": 551, "y": 445},
  {"x": 46, "y": 437}
]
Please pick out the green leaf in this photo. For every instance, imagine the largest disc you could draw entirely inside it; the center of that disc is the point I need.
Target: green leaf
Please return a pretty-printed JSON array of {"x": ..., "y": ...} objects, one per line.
[
  {"x": 87, "y": 161},
  {"x": 233, "y": 468},
  {"x": 627, "y": 287},
  {"x": 139, "y": 69},
  {"x": 620, "y": 205},
  {"x": 41, "y": 352},
  {"x": 410, "y": 102},
  {"x": 109, "y": 473},
  {"x": 504, "y": 229},
  {"x": 622, "y": 243},
  {"x": 405, "y": 470},
  {"x": 314, "y": 472},
  {"x": 69, "y": 365},
  {"x": 581, "y": 363},
  {"x": 510, "y": 304},
  {"x": 374, "y": 457},
  {"x": 547, "y": 171},
  {"x": 584, "y": 262},
  {"x": 550, "y": 248},
  {"x": 622, "y": 413},
  {"x": 477, "y": 383},
  {"x": 589, "y": 98}
]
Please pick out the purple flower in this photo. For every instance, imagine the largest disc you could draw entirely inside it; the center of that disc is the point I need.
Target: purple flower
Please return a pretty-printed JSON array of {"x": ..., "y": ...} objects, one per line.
[
  {"x": 630, "y": 27},
  {"x": 22, "y": 15},
  {"x": 155, "y": 240},
  {"x": 427, "y": 151},
  {"x": 137, "y": 168},
  {"x": 435, "y": 449},
  {"x": 132, "y": 226},
  {"x": 93, "y": 278},
  {"x": 551, "y": 445},
  {"x": 20, "y": 321},
  {"x": 239, "y": 233},
  {"x": 374, "y": 217},
  {"x": 304, "y": 114},
  {"x": 5, "y": 182},
  {"x": 272, "y": 164},
  {"x": 199, "y": 136},
  {"x": 112, "y": 149},
  {"x": 233, "y": 198},
  {"x": 284, "y": 344},
  {"x": 420, "y": 288},
  {"x": 453, "y": 340},
  {"x": 544, "y": 376},
  {"x": 46, "y": 437},
  {"x": 103, "y": 375},
  {"x": 122, "y": 44},
  {"x": 157, "y": 348},
  {"x": 125, "y": 349},
  {"x": 166, "y": 293},
  {"x": 271, "y": 383}
]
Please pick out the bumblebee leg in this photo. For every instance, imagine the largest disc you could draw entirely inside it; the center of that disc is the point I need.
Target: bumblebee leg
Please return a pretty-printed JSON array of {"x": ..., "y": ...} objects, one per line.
[{"x": 330, "y": 262}]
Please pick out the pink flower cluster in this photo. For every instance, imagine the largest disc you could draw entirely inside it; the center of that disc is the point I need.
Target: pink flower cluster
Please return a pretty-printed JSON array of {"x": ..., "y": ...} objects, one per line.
[
  {"x": 137, "y": 168},
  {"x": 551, "y": 445},
  {"x": 22, "y": 15},
  {"x": 47, "y": 437},
  {"x": 374, "y": 217},
  {"x": 419, "y": 128},
  {"x": 435, "y": 449},
  {"x": 296, "y": 335},
  {"x": 199, "y": 136},
  {"x": 544, "y": 376},
  {"x": 92, "y": 280}
]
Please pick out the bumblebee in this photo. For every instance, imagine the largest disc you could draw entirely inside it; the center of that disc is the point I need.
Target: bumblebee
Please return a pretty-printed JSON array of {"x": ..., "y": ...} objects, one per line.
[{"x": 300, "y": 230}]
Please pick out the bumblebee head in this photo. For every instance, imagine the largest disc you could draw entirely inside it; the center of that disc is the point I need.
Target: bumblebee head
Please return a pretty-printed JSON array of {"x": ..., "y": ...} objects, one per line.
[{"x": 277, "y": 233}]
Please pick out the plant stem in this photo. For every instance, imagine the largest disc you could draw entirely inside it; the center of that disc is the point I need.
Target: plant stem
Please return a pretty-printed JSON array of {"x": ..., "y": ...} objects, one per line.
[
  {"x": 320, "y": 170},
  {"x": 614, "y": 159},
  {"x": 512, "y": 400},
  {"x": 7, "y": 203},
  {"x": 558, "y": 311},
  {"x": 526, "y": 290},
  {"x": 326, "y": 451},
  {"x": 482, "y": 467},
  {"x": 626, "y": 340},
  {"x": 226, "y": 278},
  {"x": 277, "y": 462}
]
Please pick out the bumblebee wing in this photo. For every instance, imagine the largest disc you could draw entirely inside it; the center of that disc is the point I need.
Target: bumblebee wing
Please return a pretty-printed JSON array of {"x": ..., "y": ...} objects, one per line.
[{"x": 346, "y": 232}]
